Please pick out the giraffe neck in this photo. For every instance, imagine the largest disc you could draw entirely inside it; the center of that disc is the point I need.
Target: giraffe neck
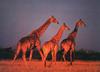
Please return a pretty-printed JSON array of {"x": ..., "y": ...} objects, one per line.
[
  {"x": 57, "y": 37},
  {"x": 75, "y": 29},
  {"x": 42, "y": 28},
  {"x": 73, "y": 34}
]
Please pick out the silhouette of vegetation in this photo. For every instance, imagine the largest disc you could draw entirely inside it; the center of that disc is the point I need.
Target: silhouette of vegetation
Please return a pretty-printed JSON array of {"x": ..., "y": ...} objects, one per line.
[
  {"x": 87, "y": 55},
  {"x": 8, "y": 53}
]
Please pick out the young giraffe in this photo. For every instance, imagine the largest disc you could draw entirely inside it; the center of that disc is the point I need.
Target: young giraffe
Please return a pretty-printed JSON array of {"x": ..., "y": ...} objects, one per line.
[
  {"x": 33, "y": 40},
  {"x": 52, "y": 45},
  {"x": 69, "y": 43}
]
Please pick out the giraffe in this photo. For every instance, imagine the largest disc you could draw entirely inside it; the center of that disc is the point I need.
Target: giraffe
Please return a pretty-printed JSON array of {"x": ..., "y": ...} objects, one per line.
[
  {"x": 68, "y": 44},
  {"x": 52, "y": 44},
  {"x": 33, "y": 40}
]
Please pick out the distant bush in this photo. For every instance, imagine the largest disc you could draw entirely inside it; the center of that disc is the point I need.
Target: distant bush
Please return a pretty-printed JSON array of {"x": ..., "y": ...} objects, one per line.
[
  {"x": 8, "y": 53},
  {"x": 87, "y": 55}
]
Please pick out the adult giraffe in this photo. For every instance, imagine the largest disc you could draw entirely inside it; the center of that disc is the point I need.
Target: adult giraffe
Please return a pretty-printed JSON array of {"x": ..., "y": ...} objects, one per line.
[
  {"x": 33, "y": 39},
  {"x": 69, "y": 42},
  {"x": 52, "y": 45}
]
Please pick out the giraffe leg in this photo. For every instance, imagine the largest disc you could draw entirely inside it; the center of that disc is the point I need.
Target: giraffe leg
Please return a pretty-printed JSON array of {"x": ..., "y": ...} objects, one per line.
[
  {"x": 17, "y": 52},
  {"x": 40, "y": 52},
  {"x": 52, "y": 52},
  {"x": 53, "y": 57},
  {"x": 24, "y": 57},
  {"x": 44, "y": 61},
  {"x": 31, "y": 52},
  {"x": 24, "y": 54},
  {"x": 37, "y": 44},
  {"x": 15, "y": 56},
  {"x": 55, "y": 52},
  {"x": 45, "y": 53},
  {"x": 71, "y": 56},
  {"x": 73, "y": 52},
  {"x": 44, "y": 58},
  {"x": 64, "y": 56}
]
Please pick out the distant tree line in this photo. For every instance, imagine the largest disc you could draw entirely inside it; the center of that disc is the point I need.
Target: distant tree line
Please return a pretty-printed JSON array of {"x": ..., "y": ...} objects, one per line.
[{"x": 8, "y": 53}]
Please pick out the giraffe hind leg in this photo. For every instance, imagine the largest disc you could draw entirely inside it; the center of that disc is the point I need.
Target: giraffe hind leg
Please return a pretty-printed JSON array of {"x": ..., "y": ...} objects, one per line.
[
  {"x": 31, "y": 52},
  {"x": 24, "y": 53},
  {"x": 64, "y": 54},
  {"x": 40, "y": 51},
  {"x": 71, "y": 57},
  {"x": 41, "y": 54},
  {"x": 17, "y": 51}
]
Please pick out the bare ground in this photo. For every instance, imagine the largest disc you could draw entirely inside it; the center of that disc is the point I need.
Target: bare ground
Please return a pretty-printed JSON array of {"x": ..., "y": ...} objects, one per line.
[{"x": 37, "y": 66}]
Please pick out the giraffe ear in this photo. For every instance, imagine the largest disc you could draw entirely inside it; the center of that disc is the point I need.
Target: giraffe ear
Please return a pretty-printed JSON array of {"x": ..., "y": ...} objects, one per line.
[
  {"x": 68, "y": 28},
  {"x": 64, "y": 23},
  {"x": 80, "y": 19},
  {"x": 51, "y": 17},
  {"x": 83, "y": 23}
]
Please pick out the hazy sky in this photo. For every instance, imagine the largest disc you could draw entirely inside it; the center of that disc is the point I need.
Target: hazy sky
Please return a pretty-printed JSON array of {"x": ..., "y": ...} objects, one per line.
[{"x": 19, "y": 17}]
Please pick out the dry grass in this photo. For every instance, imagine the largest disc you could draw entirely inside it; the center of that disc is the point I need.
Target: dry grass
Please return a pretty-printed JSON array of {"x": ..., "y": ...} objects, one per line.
[{"x": 37, "y": 66}]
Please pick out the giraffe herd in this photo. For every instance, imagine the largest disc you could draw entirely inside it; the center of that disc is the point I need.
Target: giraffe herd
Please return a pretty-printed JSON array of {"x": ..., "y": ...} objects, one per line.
[{"x": 32, "y": 41}]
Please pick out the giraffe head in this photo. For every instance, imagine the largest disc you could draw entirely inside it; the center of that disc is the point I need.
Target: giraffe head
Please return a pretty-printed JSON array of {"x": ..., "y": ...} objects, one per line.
[
  {"x": 52, "y": 19},
  {"x": 80, "y": 23},
  {"x": 66, "y": 26}
]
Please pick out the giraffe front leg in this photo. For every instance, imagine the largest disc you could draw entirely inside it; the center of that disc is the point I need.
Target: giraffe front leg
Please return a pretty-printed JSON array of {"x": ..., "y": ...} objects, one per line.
[
  {"x": 55, "y": 52},
  {"x": 15, "y": 57},
  {"x": 24, "y": 54},
  {"x": 45, "y": 53},
  {"x": 44, "y": 59},
  {"x": 64, "y": 56},
  {"x": 71, "y": 52},
  {"x": 24, "y": 57},
  {"x": 53, "y": 57},
  {"x": 52, "y": 53}
]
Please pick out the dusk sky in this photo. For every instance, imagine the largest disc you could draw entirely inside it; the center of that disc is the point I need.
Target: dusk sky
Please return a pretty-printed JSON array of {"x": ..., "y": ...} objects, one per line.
[{"x": 19, "y": 17}]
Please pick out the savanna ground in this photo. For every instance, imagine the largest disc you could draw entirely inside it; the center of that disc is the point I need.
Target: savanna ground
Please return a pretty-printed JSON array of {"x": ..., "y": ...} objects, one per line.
[
  {"x": 60, "y": 66},
  {"x": 85, "y": 61}
]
